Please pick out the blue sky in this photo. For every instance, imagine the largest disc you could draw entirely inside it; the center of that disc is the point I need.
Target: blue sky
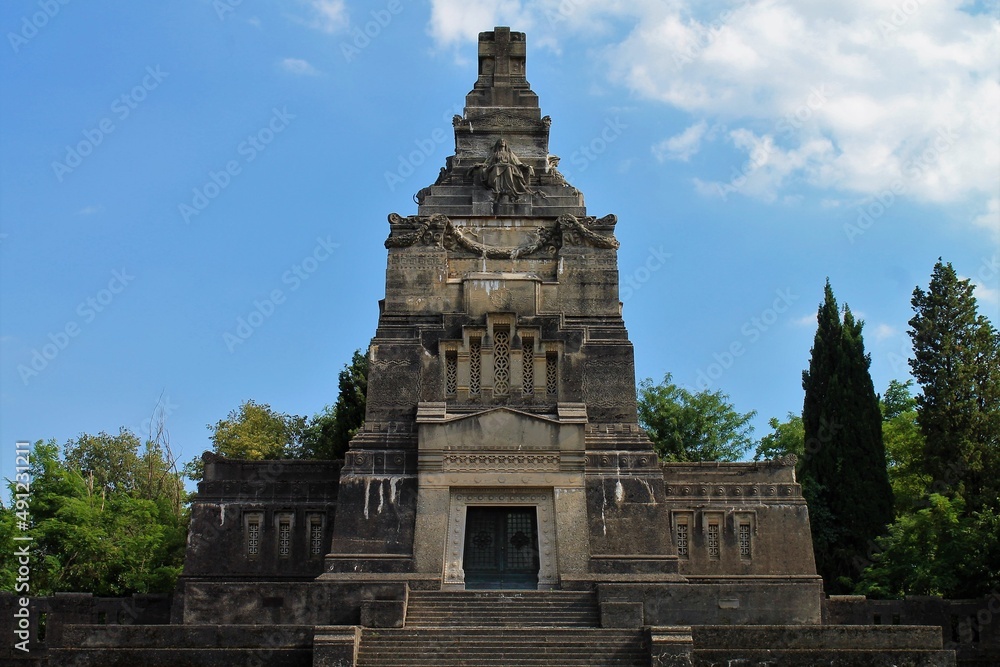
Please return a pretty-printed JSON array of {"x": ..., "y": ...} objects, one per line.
[{"x": 167, "y": 170}]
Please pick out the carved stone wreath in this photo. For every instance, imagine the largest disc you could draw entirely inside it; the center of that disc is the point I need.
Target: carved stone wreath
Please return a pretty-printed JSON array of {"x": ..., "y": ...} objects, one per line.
[{"x": 438, "y": 230}]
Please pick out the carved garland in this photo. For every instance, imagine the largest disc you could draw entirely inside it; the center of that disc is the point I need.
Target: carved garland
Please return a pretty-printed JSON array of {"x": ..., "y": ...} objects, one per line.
[{"x": 438, "y": 230}]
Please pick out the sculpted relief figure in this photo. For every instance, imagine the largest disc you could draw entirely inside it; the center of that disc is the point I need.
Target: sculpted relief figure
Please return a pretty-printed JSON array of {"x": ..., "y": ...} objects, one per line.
[{"x": 504, "y": 173}]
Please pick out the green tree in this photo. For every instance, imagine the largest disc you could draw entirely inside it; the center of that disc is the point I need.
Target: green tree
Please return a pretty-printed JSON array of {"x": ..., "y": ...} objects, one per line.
[
  {"x": 937, "y": 550},
  {"x": 687, "y": 426},
  {"x": 329, "y": 432},
  {"x": 786, "y": 438},
  {"x": 904, "y": 446},
  {"x": 256, "y": 432},
  {"x": 102, "y": 536},
  {"x": 122, "y": 463},
  {"x": 956, "y": 361},
  {"x": 8, "y": 559},
  {"x": 897, "y": 400},
  {"x": 844, "y": 478}
]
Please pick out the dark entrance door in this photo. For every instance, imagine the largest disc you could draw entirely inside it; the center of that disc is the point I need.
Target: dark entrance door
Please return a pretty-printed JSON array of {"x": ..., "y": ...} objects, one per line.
[{"x": 501, "y": 548}]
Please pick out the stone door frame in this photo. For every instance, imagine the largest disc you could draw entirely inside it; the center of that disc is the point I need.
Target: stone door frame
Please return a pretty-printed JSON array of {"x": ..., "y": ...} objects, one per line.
[{"x": 542, "y": 499}]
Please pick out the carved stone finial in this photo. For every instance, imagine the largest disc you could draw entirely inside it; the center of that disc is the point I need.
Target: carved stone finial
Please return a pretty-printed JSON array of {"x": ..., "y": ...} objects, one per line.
[{"x": 502, "y": 65}]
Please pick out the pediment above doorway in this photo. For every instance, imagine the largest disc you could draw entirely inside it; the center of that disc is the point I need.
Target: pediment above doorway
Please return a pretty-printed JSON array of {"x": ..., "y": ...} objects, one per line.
[{"x": 500, "y": 429}]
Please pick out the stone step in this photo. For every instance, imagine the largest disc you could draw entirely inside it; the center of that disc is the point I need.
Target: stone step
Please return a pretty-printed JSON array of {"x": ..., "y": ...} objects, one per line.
[
  {"x": 512, "y": 622},
  {"x": 840, "y": 657},
  {"x": 504, "y": 597},
  {"x": 524, "y": 647},
  {"x": 502, "y": 609},
  {"x": 179, "y": 657}
]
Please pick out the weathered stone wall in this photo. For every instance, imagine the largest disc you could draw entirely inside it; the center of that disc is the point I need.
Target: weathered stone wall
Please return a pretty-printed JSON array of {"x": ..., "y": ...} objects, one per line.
[
  {"x": 286, "y": 603},
  {"x": 49, "y": 616},
  {"x": 970, "y": 627},
  {"x": 762, "y": 497},
  {"x": 233, "y": 493},
  {"x": 760, "y": 601}
]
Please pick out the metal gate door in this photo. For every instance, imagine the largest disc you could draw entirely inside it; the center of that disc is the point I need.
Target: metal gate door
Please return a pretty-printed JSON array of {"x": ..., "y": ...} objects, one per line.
[{"x": 501, "y": 548}]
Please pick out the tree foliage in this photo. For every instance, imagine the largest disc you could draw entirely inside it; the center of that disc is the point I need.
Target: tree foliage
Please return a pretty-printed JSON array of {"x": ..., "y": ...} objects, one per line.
[
  {"x": 329, "y": 432},
  {"x": 904, "y": 446},
  {"x": 956, "y": 361},
  {"x": 785, "y": 439},
  {"x": 256, "y": 432},
  {"x": 844, "y": 477},
  {"x": 107, "y": 517},
  {"x": 937, "y": 550},
  {"x": 686, "y": 426},
  {"x": 944, "y": 453}
]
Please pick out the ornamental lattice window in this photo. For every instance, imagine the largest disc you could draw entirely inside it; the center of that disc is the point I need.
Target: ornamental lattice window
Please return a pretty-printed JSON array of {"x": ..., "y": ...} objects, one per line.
[
  {"x": 713, "y": 541},
  {"x": 501, "y": 363},
  {"x": 475, "y": 368},
  {"x": 528, "y": 367},
  {"x": 253, "y": 537},
  {"x": 284, "y": 538},
  {"x": 451, "y": 373},
  {"x": 682, "y": 539},
  {"x": 316, "y": 537},
  {"x": 744, "y": 540},
  {"x": 551, "y": 375}
]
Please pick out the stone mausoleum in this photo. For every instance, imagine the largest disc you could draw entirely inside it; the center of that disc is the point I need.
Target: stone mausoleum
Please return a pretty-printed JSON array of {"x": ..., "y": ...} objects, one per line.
[{"x": 501, "y": 506}]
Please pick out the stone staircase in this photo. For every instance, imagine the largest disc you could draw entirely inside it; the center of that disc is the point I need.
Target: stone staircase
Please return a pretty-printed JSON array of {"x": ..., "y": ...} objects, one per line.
[
  {"x": 503, "y": 629},
  {"x": 493, "y": 609},
  {"x": 503, "y": 647}
]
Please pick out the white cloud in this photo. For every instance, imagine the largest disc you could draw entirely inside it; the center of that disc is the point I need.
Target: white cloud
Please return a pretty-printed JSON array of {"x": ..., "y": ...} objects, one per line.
[
  {"x": 89, "y": 210},
  {"x": 806, "y": 320},
  {"x": 298, "y": 66},
  {"x": 989, "y": 296},
  {"x": 988, "y": 299},
  {"x": 682, "y": 146},
  {"x": 329, "y": 15},
  {"x": 851, "y": 97},
  {"x": 454, "y": 22},
  {"x": 990, "y": 218},
  {"x": 885, "y": 332}
]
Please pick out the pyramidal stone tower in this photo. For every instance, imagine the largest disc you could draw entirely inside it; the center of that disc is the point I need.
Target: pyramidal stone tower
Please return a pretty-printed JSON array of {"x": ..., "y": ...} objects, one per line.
[{"x": 501, "y": 445}]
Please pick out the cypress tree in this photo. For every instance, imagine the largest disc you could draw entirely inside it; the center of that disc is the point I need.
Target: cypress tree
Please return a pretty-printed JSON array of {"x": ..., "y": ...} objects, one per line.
[
  {"x": 956, "y": 361},
  {"x": 844, "y": 478}
]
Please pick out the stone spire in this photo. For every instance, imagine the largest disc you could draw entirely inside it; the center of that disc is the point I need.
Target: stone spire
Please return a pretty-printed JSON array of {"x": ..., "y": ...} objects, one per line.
[
  {"x": 502, "y": 82},
  {"x": 501, "y": 165}
]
